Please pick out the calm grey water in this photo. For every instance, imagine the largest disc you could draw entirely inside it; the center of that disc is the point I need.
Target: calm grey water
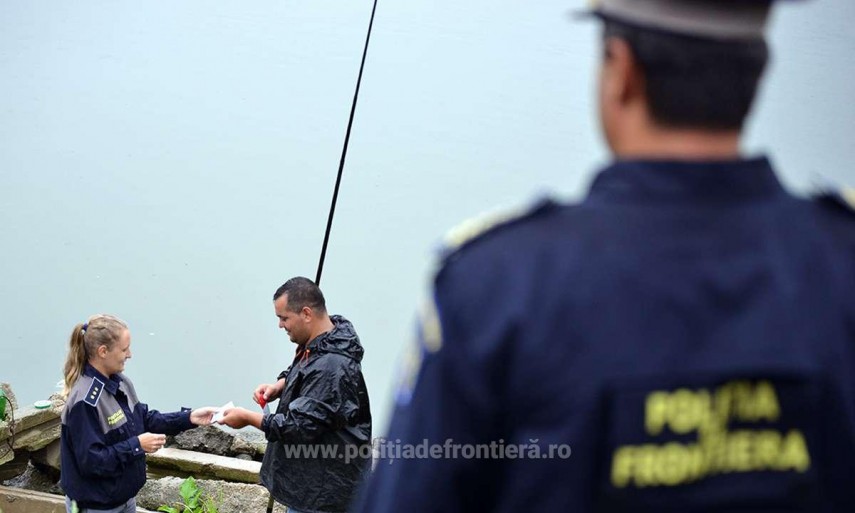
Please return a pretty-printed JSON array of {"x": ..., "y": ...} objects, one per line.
[{"x": 173, "y": 164}]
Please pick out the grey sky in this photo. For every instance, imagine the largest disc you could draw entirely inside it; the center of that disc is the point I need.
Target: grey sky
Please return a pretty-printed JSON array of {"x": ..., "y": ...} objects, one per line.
[{"x": 172, "y": 163}]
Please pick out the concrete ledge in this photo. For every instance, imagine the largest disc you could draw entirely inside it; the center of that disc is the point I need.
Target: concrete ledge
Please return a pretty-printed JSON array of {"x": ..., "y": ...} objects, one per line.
[
  {"x": 6, "y": 454},
  {"x": 34, "y": 429},
  {"x": 14, "y": 500},
  {"x": 228, "y": 497},
  {"x": 203, "y": 465},
  {"x": 35, "y": 439},
  {"x": 29, "y": 417}
]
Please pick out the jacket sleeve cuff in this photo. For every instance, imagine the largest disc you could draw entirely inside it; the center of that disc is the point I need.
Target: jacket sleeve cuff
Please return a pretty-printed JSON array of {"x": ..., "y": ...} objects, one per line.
[
  {"x": 135, "y": 448},
  {"x": 185, "y": 419},
  {"x": 265, "y": 422}
]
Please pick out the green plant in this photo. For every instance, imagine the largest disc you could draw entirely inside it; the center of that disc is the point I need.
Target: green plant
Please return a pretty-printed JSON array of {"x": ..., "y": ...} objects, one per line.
[{"x": 191, "y": 494}]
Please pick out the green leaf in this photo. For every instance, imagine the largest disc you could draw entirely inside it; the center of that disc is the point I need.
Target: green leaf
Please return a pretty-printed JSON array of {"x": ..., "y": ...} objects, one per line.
[{"x": 190, "y": 493}]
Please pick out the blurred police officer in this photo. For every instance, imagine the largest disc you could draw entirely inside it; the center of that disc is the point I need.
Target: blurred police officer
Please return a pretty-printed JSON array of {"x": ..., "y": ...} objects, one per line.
[{"x": 688, "y": 329}]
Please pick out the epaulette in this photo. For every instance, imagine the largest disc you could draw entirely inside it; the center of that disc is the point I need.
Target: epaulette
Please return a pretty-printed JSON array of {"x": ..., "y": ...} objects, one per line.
[
  {"x": 94, "y": 392},
  {"x": 429, "y": 338},
  {"x": 842, "y": 198},
  {"x": 477, "y": 227}
]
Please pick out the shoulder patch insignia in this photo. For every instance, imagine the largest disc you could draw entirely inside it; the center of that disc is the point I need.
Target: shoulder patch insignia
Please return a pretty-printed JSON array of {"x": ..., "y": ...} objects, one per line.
[
  {"x": 429, "y": 326},
  {"x": 473, "y": 228},
  {"x": 844, "y": 197},
  {"x": 94, "y": 392},
  {"x": 848, "y": 195}
]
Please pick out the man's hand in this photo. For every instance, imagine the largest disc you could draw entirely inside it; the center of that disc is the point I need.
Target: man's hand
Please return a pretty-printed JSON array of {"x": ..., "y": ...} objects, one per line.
[
  {"x": 151, "y": 442},
  {"x": 240, "y": 417},
  {"x": 202, "y": 416},
  {"x": 270, "y": 392}
]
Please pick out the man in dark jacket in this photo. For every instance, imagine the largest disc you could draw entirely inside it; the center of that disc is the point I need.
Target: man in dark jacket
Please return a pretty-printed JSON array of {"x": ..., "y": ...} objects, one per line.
[{"x": 319, "y": 439}]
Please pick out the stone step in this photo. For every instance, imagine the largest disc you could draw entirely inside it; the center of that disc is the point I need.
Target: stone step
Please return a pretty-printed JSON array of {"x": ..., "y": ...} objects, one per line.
[
  {"x": 34, "y": 429},
  {"x": 29, "y": 417},
  {"x": 227, "y": 497},
  {"x": 203, "y": 465},
  {"x": 15, "y": 500}
]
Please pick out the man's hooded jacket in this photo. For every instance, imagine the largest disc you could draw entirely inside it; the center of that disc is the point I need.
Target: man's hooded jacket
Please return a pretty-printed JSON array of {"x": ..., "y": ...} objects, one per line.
[{"x": 319, "y": 439}]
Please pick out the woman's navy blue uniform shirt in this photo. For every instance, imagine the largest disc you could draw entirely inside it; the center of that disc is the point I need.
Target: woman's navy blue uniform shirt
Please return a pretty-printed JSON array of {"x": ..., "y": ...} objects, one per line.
[
  {"x": 103, "y": 465},
  {"x": 681, "y": 340}
]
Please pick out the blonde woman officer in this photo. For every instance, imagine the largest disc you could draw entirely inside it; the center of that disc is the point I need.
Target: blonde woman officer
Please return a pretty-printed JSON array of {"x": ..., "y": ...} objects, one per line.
[{"x": 106, "y": 430}]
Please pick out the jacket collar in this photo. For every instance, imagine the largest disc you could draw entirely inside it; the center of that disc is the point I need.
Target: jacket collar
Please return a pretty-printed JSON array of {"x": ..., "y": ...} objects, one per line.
[
  {"x": 667, "y": 181},
  {"x": 111, "y": 384},
  {"x": 342, "y": 339}
]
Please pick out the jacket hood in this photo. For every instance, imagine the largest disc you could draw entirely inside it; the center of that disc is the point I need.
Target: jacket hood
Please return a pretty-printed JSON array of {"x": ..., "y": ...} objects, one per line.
[{"x": 342, "y": 340}]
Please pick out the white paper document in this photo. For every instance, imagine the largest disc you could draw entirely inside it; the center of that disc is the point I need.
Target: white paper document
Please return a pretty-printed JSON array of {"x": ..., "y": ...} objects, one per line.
[{"x": 218, "y": 416}]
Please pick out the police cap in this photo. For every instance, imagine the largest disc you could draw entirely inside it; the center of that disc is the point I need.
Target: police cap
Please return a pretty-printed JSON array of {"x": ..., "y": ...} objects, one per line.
[{"x": 726, "y": 20}]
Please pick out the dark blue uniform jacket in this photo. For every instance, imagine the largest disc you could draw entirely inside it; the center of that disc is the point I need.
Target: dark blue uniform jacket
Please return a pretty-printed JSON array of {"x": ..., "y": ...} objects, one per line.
[
  {"x": 103, "y": 465},
  {"x": 682, "y": 340}
]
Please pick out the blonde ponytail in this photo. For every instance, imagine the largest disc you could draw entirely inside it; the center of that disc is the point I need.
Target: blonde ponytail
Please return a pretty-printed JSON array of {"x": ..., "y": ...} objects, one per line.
[
  {"x": 76, "y": 358},
  {"x": 100, "y": 330}
]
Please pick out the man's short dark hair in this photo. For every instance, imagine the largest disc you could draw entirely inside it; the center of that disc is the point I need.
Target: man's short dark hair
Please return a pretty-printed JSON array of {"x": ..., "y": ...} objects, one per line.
[
  {"x": 302, "y": 292},
  {"x": 694, "y": 82}
]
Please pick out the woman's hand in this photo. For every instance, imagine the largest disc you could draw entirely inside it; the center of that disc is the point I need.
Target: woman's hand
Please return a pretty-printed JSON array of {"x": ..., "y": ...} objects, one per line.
[
  {"x": 202, "y": 416},
  {"x": 151, "y": 442}
]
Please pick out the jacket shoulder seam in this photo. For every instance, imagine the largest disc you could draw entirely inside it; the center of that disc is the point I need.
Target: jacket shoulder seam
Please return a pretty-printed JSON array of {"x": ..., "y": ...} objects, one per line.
[{"x": 481, "y": 226}]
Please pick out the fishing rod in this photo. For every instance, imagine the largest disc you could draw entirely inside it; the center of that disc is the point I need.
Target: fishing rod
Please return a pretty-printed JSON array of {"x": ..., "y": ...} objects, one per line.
[
  {"x": 344, "y": 150},
  {"x": 340, "y": 170}
]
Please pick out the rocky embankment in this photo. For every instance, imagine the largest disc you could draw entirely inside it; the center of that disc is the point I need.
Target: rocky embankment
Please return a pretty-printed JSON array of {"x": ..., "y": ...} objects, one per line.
[{"x": 225, "y": 464}]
